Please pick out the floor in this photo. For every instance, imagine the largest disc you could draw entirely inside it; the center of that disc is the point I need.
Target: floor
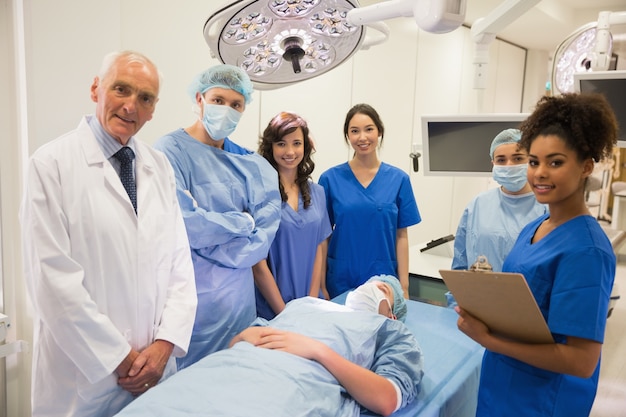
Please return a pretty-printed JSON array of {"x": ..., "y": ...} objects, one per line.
[{"x": 611, "y": 397}]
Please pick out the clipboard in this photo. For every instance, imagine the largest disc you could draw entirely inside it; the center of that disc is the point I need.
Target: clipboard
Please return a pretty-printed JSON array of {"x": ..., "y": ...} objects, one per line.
[{"x": 502, "y": 300}]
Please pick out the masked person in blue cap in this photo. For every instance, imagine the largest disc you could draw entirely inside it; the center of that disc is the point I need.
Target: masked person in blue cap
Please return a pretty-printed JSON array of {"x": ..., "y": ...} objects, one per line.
[
  {"x": 231, "y": 203},
  {"x": 493, "y": 219},
  {"x": 316, "y": 357},
  {"x": 380, "y": 294}
]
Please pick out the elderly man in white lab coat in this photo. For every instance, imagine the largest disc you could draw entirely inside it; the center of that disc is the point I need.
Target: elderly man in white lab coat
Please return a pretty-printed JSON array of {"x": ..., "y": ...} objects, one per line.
[{"x": 108, "y": 267}]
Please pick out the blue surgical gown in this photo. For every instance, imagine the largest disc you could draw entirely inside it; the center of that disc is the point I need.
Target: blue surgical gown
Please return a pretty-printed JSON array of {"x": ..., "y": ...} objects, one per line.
[
  {"x": 224, "y": 245},
  {"x": 490, "y": 225},
  {"x": 293, "y": 251},
  {"x": 570, "y": 272},
  {"x": 365, "y": 223}
]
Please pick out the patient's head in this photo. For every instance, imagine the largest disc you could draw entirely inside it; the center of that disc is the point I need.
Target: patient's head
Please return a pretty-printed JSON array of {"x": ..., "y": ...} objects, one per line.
[{"x": 381, "y": 294}]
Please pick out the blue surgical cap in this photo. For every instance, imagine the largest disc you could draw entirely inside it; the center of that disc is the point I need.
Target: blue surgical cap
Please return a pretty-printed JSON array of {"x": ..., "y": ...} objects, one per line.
[
  {"x": 224, "y": 76},
  {"x": 504, "y": 137},
  {"x": 399, "y": 303}
]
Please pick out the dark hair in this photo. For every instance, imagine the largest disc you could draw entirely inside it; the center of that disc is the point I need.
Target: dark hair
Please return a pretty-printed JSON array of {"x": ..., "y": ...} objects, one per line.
[
  {"x": 585, "y": 122},
  {"x": 367, "y": 110},
  {"x": 281, "y": 125}
]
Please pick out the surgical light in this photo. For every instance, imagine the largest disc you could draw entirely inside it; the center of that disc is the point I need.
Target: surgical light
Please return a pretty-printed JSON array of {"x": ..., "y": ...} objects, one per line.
[
  {"x": 281, "y": 42},
  {"x": 588, "y": 48},
  {"x": 573, "y": 55}
]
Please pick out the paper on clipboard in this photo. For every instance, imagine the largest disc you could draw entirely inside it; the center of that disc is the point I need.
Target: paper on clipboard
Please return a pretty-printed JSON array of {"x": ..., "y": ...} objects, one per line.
[{"x": 503, "y": 301}]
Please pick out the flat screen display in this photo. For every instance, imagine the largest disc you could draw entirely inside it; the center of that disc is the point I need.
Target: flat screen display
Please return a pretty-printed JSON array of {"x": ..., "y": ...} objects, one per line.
[
  {"x": 458, "y": 145},
  {"x": 612, "y": 84}
]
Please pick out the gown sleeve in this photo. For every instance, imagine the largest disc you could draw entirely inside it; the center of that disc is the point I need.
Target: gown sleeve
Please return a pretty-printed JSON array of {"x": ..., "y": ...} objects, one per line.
[
  {"x": 228, "y": 237},
  {"x": 459, "y": 261},
  {"x": 399, "y": 358}
]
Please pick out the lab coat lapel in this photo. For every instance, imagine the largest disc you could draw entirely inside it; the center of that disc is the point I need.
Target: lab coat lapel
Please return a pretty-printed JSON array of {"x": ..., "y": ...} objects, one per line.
[{"x": 144, "y": 170}]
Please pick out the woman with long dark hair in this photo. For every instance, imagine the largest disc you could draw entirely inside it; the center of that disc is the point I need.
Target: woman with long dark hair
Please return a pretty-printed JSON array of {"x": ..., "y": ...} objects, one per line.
[{"x": 296, "y": 260}]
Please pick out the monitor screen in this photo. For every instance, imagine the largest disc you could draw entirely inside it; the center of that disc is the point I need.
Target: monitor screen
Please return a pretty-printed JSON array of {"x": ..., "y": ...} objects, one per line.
[
  {"x": 458, "y": 145},
  {"x": 612, "y": 84}
]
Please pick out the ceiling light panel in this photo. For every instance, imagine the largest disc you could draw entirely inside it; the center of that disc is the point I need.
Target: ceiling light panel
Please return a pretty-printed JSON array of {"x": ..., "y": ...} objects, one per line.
[{"x": 280, "y": 42}]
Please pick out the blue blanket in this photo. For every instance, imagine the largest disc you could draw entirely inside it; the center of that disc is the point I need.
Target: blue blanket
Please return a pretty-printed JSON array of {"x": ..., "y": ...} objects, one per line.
[{"x": 248, "y": 381}]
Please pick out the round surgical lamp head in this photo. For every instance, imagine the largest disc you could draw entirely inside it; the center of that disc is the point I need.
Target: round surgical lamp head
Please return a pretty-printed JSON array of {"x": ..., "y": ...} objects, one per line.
[
  {"x": 574, "y": 54},
  {"x": 281, "y": 42}
]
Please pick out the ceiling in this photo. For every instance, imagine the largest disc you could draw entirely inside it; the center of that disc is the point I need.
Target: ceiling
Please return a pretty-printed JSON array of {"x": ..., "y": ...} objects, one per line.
[{"x": 548, "y": 23}]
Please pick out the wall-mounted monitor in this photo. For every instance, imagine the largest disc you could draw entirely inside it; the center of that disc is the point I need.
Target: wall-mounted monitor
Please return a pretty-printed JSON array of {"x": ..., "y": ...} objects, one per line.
[
  {"x": 612, "y": 84},
  {"x": 458, "y": 145}
]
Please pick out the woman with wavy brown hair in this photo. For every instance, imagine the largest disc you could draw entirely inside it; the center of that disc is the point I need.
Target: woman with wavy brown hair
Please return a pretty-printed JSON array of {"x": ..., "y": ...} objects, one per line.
[{"x": 296, "y": 260}]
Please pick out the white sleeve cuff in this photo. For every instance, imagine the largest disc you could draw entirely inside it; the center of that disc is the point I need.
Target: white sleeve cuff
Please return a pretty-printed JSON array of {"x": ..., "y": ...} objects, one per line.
[
  {"x": 398, "y": 395},
  {"x": 252, "y": 222}
]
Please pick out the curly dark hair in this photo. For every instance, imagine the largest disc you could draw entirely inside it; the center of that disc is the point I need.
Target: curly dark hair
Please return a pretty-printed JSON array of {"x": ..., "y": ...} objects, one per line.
[
  {"x": 367, "y": 110},
  {"x": 585, "y": 122},
  {"x": 281, "y": 125}
]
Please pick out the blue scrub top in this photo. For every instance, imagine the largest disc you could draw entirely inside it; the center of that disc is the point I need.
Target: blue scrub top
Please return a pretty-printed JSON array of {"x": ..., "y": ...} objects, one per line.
[
  {"x": 292, "y": 254},
  {"x": 570, "y": 272},
  {"x": 365, "y": 223}
]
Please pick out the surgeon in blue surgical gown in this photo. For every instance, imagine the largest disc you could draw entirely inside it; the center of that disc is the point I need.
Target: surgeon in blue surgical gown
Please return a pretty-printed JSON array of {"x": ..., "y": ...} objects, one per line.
[
  {"x": 231, "y": 206},
  {"x": 493, "y": 219}
]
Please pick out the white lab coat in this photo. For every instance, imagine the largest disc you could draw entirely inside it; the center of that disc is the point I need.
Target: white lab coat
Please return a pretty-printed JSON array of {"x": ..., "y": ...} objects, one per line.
[{"x": 101, "y": 278}]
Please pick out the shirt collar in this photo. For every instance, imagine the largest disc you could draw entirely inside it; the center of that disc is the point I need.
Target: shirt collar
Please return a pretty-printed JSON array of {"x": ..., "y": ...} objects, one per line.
[{"x": 107, "y": 143}]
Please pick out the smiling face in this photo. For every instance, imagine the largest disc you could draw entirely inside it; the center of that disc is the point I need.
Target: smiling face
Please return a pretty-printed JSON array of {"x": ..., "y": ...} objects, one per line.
[
  {"x": 288, "y": 152},
  {"x": 126, "y": 98},
  {"x": 363, "y": 134},
  {"x": 555, "y": 173}
]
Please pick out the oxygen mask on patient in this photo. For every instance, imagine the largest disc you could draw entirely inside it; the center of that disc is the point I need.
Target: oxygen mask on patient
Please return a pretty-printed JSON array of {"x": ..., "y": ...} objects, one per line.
[{"x": 368, "y": 297}]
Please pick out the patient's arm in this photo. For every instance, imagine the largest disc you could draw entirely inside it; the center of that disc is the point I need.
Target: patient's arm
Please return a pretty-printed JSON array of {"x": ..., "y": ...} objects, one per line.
[
  {"x": 373, "y": 391},
  {"x": 578, "y": 357}
]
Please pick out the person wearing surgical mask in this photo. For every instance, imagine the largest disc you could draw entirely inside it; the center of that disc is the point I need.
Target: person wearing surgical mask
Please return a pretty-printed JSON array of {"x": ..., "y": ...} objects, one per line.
[
  {"x": 231, "y": 205},
  {"x": 492, "y": 220},
  {"x": 380, "y": 294}
]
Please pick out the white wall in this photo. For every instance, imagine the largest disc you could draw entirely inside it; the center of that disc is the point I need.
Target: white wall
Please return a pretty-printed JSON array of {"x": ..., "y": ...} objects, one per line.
[{"x": 413, "y": 73}]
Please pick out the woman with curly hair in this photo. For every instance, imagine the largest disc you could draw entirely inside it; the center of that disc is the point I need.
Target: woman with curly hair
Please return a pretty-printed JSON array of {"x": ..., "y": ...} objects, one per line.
[
  {"x": 297, "y": 257},
  {"x": 568, "y": 262}
]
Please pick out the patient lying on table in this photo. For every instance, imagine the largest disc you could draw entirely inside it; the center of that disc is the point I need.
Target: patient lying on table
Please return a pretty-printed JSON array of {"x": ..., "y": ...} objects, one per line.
[{"x": 315, "y": 358}]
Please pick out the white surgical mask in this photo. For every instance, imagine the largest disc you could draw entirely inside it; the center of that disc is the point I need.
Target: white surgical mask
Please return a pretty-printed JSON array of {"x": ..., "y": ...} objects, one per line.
[
  {"x": 367, "y": 297},
  {"x": 511, "y": 177},
  {"x": 219, "y": 121}
]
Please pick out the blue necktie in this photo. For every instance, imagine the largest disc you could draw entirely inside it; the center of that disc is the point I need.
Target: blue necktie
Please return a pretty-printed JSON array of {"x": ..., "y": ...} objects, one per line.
[{"x": 126, "y": 156}]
